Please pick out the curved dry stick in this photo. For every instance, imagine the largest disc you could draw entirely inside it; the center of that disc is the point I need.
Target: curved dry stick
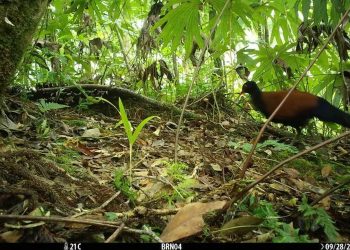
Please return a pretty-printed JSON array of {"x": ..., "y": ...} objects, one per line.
[
  {"x": 61, "y": 219},
  {"x": 115, "y": 234},
  {"x": 195, "y": 76},
  {"x": 246, "y": 189},
  {"x": 98, "y": 208},
  {"x": 245, "y": 164},
  {"x": 332, "y": 190},
  {"x": 102, "y": 223},
  {"x": 329, "y": 191}
]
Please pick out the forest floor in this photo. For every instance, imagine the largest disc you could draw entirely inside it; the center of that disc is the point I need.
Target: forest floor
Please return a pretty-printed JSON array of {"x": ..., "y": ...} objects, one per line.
[{"x": 74, "y": 164}]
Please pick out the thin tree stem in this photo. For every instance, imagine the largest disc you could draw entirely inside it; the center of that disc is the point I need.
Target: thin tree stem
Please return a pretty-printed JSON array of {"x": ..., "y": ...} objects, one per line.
[{"x": 195, "y": 76}]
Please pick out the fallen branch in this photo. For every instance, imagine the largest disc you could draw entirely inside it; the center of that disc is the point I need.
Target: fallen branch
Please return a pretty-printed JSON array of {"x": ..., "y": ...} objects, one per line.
[
  {"x": 115, "y": 234},
  {"x": 116, "y": 92},
  {"x": 60, "y": 219},
  {"x": 330, "y": 191},
  {"x": 101, "y": 223},
  {"x": 98, "y": 208},
  {"x": 140, "y": 210}
]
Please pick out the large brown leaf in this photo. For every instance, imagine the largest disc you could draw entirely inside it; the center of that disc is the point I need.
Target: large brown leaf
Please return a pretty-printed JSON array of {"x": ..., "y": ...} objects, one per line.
[{"x": 189, "y": 220}]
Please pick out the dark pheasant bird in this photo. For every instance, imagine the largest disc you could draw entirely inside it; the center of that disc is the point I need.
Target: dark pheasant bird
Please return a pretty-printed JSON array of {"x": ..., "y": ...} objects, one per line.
[{"x": 298, "y": 109}]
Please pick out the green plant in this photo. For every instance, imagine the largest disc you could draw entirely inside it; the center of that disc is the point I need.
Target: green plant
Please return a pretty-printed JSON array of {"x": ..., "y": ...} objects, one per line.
[
  {"x": 44, "y": 106},
  {"x": 316, "y": 216},
  {"x": 284, "y": 233},
  {"x": 183, "y": 190},
  {"x": 146, "y": 238},
  {"x": 76, "y": 123},
  {"x": 64, "y": 158},
  {"x": 176, "y": 170},
  {"x": 90, "y": 100},
  {"x": 43, "y": 129},
  {"x": 275, "y": 145},
  {"x": 111, "y": 216},
  {"x": 132, "y": 136},
  {"x": 124, "y": 185},
  {"x": 183, "y": 183}
]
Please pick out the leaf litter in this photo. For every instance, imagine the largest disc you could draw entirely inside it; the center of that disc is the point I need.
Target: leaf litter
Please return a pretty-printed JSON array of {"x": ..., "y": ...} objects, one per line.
[{"x": 72, "y": 171}]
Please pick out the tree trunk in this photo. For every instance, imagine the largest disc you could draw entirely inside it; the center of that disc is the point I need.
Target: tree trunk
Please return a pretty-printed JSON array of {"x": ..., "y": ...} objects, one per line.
[{"x": 18, "y": 22}]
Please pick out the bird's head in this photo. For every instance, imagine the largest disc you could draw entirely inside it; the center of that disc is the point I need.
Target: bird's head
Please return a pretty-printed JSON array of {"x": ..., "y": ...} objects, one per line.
[{"x": 250, "y": 87}]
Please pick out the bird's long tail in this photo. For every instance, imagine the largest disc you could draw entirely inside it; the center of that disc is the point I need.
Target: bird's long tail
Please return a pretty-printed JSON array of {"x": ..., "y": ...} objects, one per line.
[{"x": 328, "y": 113}]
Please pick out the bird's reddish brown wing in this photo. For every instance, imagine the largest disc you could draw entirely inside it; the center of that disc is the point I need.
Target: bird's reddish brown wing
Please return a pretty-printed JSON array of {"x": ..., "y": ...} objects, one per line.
[{"x": 297, "y": 104}]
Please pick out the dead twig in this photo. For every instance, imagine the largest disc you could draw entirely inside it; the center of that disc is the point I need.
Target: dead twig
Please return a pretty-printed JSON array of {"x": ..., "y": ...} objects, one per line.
[
  {"x": 115, "y": 234},
  {"x": 140, "y": 210},
  {"x": 150, "y": 232},
  {"x": 110, "y": 224},
  {"x": 98, "y": 208},
  {"x": 146, "y": 231},
  {"x": 330, "y": 191},
  {"x": 60, "y": 219}
]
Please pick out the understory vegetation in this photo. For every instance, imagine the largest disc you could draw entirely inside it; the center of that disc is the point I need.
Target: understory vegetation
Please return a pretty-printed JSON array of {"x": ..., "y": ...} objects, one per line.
[{"x": 124, "y": 123}]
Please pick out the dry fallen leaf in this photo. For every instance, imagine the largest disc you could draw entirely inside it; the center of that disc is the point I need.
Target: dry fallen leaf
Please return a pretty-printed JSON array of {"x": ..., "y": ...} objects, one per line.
[
  {"x": 225, "y": 123},
  {"x": 8, "y": 21},
  {"x": 293, "y": 173},
  {"x": 279, "y": 187},
  {"x": 262, "y": 238},
  {"x": 305, "y": 186},
  {"x": 11, "y": 236},
  {"x": 94, "y": 132},
  {"x": 80, "y": 147},
  {"x": 241, "y": 225},
  {"x": 216, "y": 167},
  {"x": 158, "y": 143},
  {"x": 326, "y": 170},
  {"x": 326, "y": 202},
  {"x": 189, "y": 221},
  {"x": 157, "y": 131}
]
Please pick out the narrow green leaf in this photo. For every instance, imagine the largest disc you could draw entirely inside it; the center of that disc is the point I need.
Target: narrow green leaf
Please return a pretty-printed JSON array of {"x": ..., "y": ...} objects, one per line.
[
  {"x": 346, "y": 4},
  {"x": 336, "y": 11},
  {"x": 139, "y": 128},
  {"x": 296, "y": 7},
  {"x": 305, "y": 5},
  {"x": 320, "y": 11},
  {"x": 182, "y": 24},
  {"x": 126, "y": 123},
  {"x": 118, "y": 124},
  {"x": 105, "y": 100}
]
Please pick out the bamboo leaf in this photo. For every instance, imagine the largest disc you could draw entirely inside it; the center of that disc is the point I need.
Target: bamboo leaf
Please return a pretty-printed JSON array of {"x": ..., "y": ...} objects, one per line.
[
  {"x": 181, "y": 23},
  {"x": 320, "y": 11},
  {"x": 305, "y": 6},
  {"x": 296, "y": 7},
  {"x": 336, "y": 11}
]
